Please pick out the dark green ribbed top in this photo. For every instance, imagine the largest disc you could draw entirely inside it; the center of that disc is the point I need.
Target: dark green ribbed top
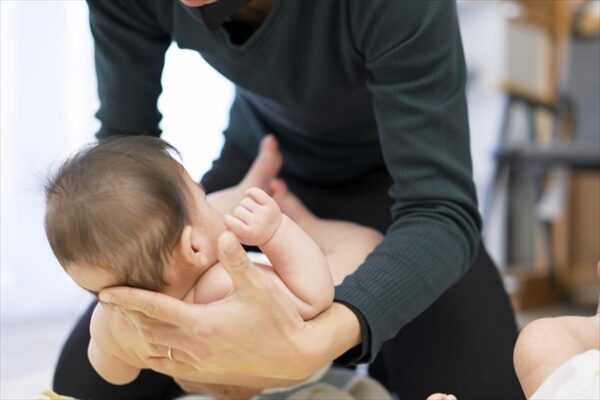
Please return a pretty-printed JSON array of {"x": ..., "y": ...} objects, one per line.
[{"x": 346, "y": 86}]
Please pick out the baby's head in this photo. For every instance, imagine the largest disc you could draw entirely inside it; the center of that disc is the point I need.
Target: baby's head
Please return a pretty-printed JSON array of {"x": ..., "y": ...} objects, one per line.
[{"x": 118, "y": 211}]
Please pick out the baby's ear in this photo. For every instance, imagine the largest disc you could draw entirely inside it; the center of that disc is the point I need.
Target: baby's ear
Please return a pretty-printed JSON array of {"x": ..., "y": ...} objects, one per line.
[{"x": 191, "y": 247}]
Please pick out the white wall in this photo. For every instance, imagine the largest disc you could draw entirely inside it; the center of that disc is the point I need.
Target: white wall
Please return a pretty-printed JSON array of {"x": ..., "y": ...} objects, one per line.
[
  {"x": 48, "y": 98},
  {"x": 483, "y": 28}
]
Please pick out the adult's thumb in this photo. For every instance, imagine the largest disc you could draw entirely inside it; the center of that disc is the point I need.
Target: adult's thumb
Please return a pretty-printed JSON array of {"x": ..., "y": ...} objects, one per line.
[{"x": 235, "y": 260}]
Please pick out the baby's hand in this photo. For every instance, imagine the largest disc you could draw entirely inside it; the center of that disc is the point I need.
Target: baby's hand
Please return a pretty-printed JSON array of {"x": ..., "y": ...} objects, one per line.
[{"x": 256, "y": 219}]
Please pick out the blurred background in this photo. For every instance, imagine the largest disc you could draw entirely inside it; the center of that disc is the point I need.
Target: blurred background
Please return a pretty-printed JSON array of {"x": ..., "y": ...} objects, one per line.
[{"x": 534, "y": 109}]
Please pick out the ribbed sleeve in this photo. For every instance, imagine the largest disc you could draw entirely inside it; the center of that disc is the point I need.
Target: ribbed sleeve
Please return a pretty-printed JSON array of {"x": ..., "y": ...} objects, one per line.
[
  {"x": 129, "y": 54},
  {"x": 413, "y": 52},
  {"x": 346, "y": 86}
]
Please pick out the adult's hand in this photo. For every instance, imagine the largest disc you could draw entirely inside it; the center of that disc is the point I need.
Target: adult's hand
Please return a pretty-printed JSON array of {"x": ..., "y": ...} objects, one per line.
[{"x": 254, "y": 337}]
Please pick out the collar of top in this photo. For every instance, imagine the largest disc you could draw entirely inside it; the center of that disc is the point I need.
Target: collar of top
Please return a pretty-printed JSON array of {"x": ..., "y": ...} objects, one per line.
[{"x": 215, "y": 14}]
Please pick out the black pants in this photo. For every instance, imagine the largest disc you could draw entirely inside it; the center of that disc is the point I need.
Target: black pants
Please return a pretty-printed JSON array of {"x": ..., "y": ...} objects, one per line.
[{"x": 461, "y": 344}]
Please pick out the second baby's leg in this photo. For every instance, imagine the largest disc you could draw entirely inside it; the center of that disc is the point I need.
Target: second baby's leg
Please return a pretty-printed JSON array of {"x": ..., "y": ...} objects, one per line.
[{"x": 345, "y": 244}]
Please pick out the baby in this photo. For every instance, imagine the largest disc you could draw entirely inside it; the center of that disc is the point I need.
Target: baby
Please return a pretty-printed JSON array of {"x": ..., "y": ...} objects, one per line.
[
  {"x": 125, "y": 212},
  {"x": 559, "y": 358}
]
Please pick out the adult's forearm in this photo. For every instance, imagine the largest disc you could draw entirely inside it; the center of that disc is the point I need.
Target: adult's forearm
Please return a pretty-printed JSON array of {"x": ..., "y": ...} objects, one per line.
[{"x": 405, "y": 274}]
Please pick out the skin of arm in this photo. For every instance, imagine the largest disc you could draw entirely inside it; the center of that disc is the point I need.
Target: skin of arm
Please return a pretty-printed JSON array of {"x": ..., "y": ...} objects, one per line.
[
  {"x": 112, "y": 369},
  {"x": 547, "y": 343},
  {"x": 298, "y": 261},
  {"x": 102, "y": 349},
  {"x": 302, "y": 266}
]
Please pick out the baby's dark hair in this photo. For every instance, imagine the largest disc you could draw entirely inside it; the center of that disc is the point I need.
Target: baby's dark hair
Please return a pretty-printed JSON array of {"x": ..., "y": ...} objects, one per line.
[{"x": 119, "y": 205}]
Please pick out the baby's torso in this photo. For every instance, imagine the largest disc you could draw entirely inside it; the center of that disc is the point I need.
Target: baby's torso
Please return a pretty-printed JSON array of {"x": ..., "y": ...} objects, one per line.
[{"x": 215, "y": 283}]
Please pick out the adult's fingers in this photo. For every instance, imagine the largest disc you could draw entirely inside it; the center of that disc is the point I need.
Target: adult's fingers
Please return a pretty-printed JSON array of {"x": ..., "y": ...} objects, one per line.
[
  {"x": 236, "y": 262},
  {"x": 152, "y": 304},
  {"x": 157, "y": 332},
  {"x": 171, "y": 367}
]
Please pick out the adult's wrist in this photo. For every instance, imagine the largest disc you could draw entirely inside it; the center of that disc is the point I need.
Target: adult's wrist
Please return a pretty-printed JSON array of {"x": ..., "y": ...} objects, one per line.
[
  {"x": 331, "y": 334},
  {"x": 361, "y": 352}
]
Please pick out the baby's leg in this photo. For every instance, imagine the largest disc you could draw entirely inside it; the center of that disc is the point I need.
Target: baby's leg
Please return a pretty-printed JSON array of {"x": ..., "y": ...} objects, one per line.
[
  {"x": 265, "y": 168},
  {"x": 296, "y": 258},
  {"x": 292, "y": 206},
  {"x": 345, "y": 244}
]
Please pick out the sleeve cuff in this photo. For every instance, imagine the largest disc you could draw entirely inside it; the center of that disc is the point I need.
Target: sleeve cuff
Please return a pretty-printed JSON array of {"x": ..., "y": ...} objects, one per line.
[{"x": 360, "y": 353}]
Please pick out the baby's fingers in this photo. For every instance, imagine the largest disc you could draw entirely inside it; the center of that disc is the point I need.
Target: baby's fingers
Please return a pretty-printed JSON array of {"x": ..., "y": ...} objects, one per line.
[
  {"x": 249, "y": 204},
  {"x": 236, "y": 226},
  {"x": 260, "y": 196},
  {"x": 243, "y": 214}
]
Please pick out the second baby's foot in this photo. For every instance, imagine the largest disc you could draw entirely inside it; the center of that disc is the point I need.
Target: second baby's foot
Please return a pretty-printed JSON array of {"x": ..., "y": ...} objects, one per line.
[{"x": 256, "y": 219}]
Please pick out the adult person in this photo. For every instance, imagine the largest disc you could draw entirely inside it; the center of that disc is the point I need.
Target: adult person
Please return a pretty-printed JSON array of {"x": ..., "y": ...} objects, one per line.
[{"x": 366, "y": 99}]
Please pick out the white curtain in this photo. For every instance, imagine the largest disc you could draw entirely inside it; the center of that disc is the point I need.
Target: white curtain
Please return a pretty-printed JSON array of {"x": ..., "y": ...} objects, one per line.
[{"x": 48, "y": 100}]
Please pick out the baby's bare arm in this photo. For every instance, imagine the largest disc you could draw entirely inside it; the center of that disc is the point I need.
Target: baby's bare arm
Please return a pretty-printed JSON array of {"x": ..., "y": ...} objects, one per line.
[
  {"x": 295, "y": 257},
  {"x": 547, "y": 343},
  {"x": 302, "y": 266},
  {"x": 112, "y": 369},
  {"x": 103, "y": 350}
]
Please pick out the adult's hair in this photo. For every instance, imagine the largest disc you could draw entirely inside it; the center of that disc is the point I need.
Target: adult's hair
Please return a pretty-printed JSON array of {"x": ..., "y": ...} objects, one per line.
[{"x": 119, "y": 205}]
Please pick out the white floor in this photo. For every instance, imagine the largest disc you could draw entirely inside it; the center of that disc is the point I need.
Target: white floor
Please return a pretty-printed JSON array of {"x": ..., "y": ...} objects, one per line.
[{"x": 28, "y": 353}]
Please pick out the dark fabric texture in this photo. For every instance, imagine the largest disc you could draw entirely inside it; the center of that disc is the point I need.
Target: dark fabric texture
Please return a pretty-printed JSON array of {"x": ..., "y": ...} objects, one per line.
[{"x": 349, "y": 88}]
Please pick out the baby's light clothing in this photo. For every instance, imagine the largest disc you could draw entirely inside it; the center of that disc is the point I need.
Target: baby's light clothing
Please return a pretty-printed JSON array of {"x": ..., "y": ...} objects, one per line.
[
  {"x": 578, "y": 378},
  {"x": 317, "y": 376}
]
